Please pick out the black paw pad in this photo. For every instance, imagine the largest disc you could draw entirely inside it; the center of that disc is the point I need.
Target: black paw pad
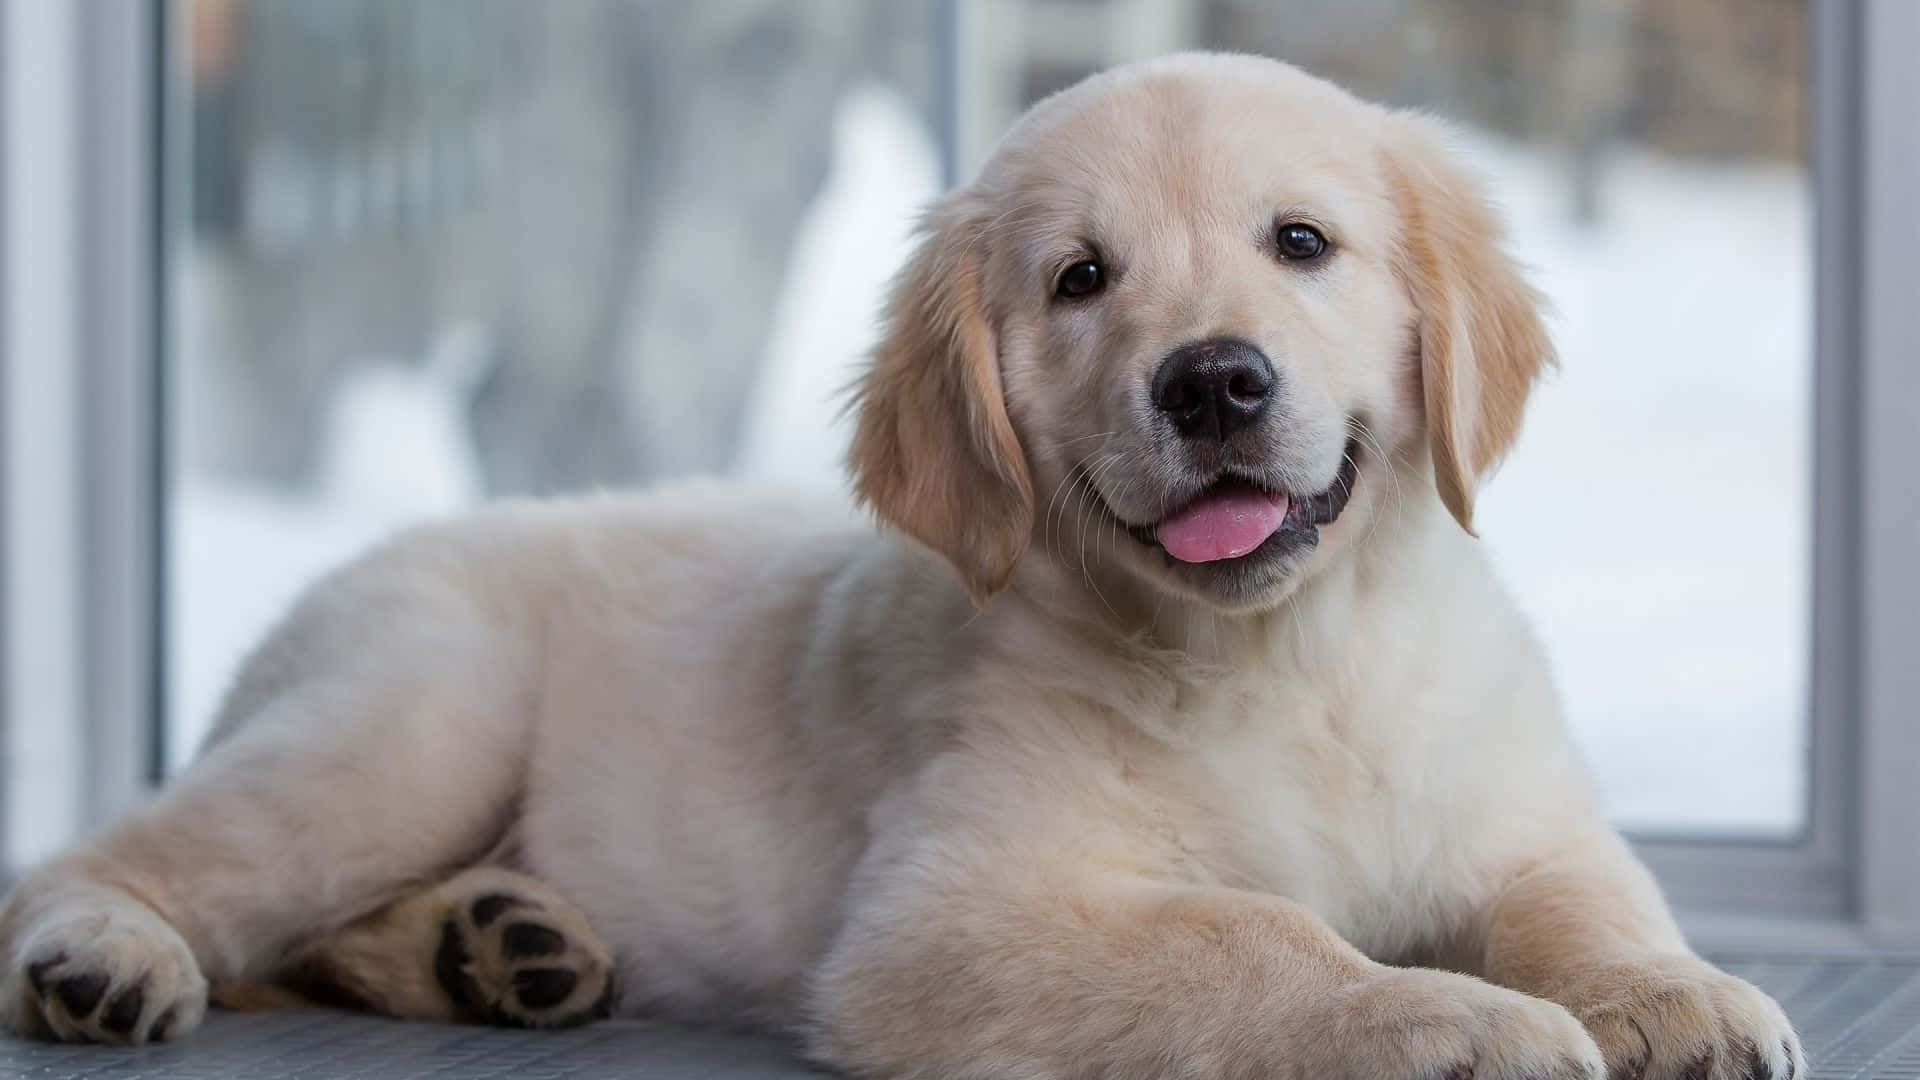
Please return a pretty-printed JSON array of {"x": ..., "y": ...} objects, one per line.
[
  {"x": 124, "y": 1010},
  {"x": 487, "y": 908},
  {"x": 450, "y": 962},
  {"x": 81, "y": 993},
  {"x": 161, "y": 1026},
  {"x": 532, "y": 939},
  {"x": 37, "y": 971},
  {"x": 543, "y": 988},
  {"x": 603, "y": 1007}
]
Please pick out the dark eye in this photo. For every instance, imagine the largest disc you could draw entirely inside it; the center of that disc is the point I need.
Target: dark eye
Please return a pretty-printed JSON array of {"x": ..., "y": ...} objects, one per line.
[
  {"x": 1300, "y": 242},
  {"x": 1083, "y": 278}
]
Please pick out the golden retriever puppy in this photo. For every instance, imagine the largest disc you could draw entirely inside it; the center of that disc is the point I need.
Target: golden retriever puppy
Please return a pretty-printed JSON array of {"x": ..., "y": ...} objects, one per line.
[{"x": 1244, "y": 766}]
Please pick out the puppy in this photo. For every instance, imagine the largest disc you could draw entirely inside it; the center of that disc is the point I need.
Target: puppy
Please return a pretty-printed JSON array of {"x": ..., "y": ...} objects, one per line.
[{"x": 1244, "y": 766}]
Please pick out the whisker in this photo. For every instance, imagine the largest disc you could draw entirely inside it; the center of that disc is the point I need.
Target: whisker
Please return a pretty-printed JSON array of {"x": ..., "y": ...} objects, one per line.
[
  {"x": 1092, "y": 492},
  {"x": 1083, "y": 477},
  {"x": 1072, "y": 476},
  {"x": 1126, "y": 490},
  {"x": 1072, "y": 479},
  {"x": 1085, "y": 573},
  {"x": 1095, "y": 435},
  {"x": 1394, "y": 494},
  {"x": 1092, "y": 509},
  {"x": 1119, "y": 532}
]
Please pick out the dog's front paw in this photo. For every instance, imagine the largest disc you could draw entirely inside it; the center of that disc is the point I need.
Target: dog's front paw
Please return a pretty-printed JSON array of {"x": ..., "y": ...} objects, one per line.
[
  {"x": 1680, "y": 1018},
  {"x": 1435, "y": 1025},
  {"x": 116, "y": 974}
]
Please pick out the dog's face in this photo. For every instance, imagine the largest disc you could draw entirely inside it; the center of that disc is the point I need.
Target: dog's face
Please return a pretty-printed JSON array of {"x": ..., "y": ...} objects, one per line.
[{"x": 1184, "y": 325}]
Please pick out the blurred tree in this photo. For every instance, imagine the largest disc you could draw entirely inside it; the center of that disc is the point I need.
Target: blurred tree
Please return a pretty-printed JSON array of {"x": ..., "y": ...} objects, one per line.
[{"x": 610, "y": 188}]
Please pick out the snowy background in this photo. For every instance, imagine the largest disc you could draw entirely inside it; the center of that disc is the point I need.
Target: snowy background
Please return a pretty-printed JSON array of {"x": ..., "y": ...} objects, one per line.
[{"x": 1653, "y": 520}]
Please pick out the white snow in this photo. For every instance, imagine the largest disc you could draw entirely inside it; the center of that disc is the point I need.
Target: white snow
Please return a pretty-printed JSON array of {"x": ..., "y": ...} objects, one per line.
[
  {"x": 1654, "y": 519},
  {"x": 858, "y": 233},
  {"x": 388, "y": 412}
]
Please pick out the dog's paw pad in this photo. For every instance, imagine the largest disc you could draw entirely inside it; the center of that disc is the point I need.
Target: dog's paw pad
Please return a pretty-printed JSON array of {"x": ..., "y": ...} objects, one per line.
[
  {"x": 486, "y": 908},
  {"x": 521, "y": 961},
  {"x": 37, "y": 970},
  {"x": 163, "y": 1026},
  {"x": 532, "y": 939},
  {"x": 81, "y": 993},
  {"x": 543, "y": 988},
  {"x": 123, "y": 1012}
]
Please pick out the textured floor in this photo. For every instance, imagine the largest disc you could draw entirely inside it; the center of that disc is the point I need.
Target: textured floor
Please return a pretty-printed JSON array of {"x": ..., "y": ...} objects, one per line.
[{"x": 1860, "y": 1017}]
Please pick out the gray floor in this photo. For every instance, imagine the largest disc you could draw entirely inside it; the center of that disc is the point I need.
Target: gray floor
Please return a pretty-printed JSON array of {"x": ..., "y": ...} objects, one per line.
[
  {"x": 303, "y": 1045},
  {"x": 1860, "y": 1017}
]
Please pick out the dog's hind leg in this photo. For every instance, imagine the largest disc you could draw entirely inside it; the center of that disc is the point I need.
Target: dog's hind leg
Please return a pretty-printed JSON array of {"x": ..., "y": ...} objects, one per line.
[
  {"x": 486, "y": 946},
  {"x": 378, "y": 742}
]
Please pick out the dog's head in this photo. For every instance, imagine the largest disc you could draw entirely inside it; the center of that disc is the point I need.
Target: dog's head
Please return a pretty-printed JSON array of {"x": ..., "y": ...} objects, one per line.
[{"x": 1185, "y": 322}]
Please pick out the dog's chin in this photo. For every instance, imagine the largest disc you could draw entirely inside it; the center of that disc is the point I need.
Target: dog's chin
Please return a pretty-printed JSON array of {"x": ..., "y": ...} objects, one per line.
[{"x": 1261, "y": 577}]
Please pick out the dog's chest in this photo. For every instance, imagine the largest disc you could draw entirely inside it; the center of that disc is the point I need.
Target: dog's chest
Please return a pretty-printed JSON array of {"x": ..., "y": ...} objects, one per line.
[{"x": 1337, "y": 806}]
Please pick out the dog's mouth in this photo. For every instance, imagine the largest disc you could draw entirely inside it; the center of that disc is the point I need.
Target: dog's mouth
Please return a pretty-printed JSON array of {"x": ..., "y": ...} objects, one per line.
[{"x": 1236, "y": 516}]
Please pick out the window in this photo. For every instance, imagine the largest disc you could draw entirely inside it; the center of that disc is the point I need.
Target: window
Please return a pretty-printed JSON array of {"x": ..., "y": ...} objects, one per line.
[{"x": 423, "y": 252}]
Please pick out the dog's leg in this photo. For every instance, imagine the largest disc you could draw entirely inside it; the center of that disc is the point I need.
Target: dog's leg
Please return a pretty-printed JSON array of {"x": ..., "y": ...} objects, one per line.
[
  {"x": 487, "y": 946},
  {"x": 334, "y": 795},
  {"x": 1011, "y": 968},
  {"x": 1589, "y": 930}
]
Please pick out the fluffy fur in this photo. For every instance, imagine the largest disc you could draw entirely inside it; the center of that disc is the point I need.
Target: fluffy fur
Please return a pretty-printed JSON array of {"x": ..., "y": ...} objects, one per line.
[{"x": 1317, "y": 817}]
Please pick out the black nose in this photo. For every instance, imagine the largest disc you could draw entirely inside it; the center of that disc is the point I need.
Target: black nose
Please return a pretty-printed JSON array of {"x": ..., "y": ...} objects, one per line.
[{"x": 1211, "y": 389}]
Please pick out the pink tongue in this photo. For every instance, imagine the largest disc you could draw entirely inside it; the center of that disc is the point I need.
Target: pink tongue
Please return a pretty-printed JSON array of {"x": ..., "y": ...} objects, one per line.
[{"x": 1223, "y": 525}]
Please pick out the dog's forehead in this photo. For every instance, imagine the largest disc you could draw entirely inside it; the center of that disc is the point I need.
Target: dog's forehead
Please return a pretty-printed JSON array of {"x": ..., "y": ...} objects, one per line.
[{"x": 1180, "y": 143}]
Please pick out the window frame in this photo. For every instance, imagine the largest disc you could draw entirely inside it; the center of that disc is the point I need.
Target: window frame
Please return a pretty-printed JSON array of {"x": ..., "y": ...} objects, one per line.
[
  {"x": 1852, "y": 876},
  {"x": 83, "y": 525},
  {"x": 1809, "y": 876},
  {"x": 8, "y": 663},
  {"x": 1889, "y": 342},
  {"x": 122, "y": 360}
]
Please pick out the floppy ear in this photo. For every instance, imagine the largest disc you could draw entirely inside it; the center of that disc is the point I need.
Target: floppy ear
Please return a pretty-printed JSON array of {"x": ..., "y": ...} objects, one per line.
[
  {"x": 1482, "y": 343},
  {"x": 934, "y": 452}
]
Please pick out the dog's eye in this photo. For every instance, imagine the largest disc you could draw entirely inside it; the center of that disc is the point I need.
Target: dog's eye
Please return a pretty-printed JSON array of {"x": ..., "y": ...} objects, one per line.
[
  {"x": 1300, "y": 242},
  {"x": 1083, "y": 278}
]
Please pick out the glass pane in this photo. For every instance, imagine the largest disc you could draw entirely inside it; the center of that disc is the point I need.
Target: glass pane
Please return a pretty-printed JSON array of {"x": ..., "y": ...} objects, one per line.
[
  {"x": 438, "y": 249},
  {"x": 1653, "y": 161},
  {"x": 424, "y": 252}
]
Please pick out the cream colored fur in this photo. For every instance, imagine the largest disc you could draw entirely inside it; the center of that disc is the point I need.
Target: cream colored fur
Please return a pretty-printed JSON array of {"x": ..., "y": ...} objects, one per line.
[{"x": 1121, "y": 824}]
